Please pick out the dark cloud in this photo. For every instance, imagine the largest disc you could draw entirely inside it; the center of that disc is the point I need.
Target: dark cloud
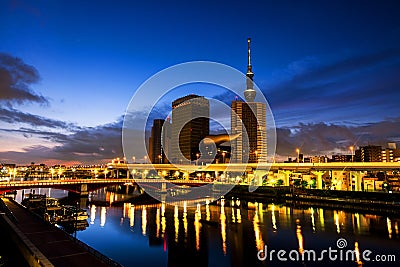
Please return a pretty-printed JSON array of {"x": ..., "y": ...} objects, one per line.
[
  {"x": 16, "y": 79},
  {"x": 323, "y": 138},
  {"x": 86, "y": 145},
  {"x": 14, "y": 116},
  {"x": 47, "y": 135},
  {"x": 102, "y": 142},
  {"x": 357, "y": 88}
]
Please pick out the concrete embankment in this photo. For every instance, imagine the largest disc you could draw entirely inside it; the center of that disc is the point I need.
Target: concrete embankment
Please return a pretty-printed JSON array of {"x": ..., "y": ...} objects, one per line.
[
  {"x": 43, "y": 244},
  {"x": 32, "y": 255}
]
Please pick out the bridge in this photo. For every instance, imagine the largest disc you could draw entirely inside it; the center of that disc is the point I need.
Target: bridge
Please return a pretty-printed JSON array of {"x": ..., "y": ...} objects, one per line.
[
  {"x": 117, "y": 174},
  {"x": 341, "y": 175},
  {"x": 83, "y": 186},
  {"x": 356, "y": 166}
]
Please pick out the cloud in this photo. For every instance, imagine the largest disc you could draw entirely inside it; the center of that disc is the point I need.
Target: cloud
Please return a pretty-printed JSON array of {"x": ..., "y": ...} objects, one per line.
[
  {"x": 325, "y": 139},
  {"x": 86, "y": 145},
  {"x": 360, "y": 88},
  {"x": 14, "y": 116},
  {"x": 16, "y": 79}
]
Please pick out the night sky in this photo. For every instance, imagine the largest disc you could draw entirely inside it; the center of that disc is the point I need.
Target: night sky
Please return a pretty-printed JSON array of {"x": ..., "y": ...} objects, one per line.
[{"x": 330, "y": 70}]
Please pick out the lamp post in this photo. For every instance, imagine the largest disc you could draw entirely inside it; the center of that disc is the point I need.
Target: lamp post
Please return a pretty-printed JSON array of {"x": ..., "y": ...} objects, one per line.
[
  {"x": 145, "y": 159},
  {"x": 352, "y": 155},
  {"x": 159, "y": 159},
  {"x": 134, "y": 159},
  {"x": 197, "y": 160},
  {"x": 256, "y": 152},
  {"x": 223, "y": 157}
]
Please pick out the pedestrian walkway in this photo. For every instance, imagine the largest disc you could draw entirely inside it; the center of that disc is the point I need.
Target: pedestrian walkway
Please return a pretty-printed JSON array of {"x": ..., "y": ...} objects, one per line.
[{"x": 58, "y": 247}]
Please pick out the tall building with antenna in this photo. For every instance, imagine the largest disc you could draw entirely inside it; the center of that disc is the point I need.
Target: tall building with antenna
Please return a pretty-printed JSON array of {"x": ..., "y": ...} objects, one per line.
[{"x": 248, "y": 119}]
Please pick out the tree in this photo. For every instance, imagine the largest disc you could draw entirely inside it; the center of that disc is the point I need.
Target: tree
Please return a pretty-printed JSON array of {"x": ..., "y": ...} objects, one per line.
[
  {"x": 297, "y": 182},
  {"x": 279, "y": 182}
]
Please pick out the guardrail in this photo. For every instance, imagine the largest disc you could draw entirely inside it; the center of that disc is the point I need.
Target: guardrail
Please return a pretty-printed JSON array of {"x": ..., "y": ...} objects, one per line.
[
  {"x": 96, "y": 253},
  {"x": 7, "y": 211}
]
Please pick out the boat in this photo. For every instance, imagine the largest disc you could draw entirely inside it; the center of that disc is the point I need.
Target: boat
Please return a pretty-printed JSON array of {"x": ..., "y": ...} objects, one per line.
[
  {"x": 71, "y": 213},
  {"x": 33, "y": 201},
  {"x": 51, "y": 210}
]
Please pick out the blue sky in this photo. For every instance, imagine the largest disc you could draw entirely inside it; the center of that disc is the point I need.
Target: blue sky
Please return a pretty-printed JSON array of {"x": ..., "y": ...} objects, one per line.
[{"x": 76, "y": 64}]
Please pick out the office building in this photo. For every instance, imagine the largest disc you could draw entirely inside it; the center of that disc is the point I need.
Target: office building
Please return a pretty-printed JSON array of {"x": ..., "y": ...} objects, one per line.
[
  {"x": 159, "y": 141},
  {"x": 190, "y": 124},
  {"x": 369, "y": 154}
]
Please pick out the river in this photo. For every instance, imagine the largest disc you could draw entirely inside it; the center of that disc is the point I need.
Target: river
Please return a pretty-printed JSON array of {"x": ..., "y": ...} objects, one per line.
[{"x": 231, "y": 232}]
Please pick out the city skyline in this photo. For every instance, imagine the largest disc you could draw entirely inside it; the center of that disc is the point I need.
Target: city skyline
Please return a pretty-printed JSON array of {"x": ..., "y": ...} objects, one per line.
[{"x": 328, "y": 70}]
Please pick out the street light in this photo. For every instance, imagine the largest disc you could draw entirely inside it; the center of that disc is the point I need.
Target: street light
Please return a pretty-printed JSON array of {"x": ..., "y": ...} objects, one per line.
[
  {"x": 223, "y": 157},
  {"x": 197, "y": 161},
  {"x": 145, "y": 159},
  {"x": 352, "y": 155},
  {"x": 159, "y": 159},
  {"x": 59, "y": 173},
  {"x": 256, "y": 152},
  {"x": 134, "y": 159}
]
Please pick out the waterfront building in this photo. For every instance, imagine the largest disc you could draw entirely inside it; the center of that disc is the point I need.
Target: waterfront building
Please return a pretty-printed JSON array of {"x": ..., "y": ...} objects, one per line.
[
  {"x": 369, "y": 154},
  {"x": 391, "y": 153},
  {"x": 319, "y": 159},
  {"x": 248, "y": 121},
  {"x": 342, "y": 158},
  {"x": 159, "y": 141},
  {"x": 190, "y": 124}
]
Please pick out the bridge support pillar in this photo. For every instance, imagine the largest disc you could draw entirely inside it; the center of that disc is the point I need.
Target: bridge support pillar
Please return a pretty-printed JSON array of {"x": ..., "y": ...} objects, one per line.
[
  {"x": 83, "y": 190},
  {"x": 357, "y": 180},
  {"x": 319, "y": 175},
  {"x": 258, "y": 177},
  {"x": 286, "y": 181},
  {"x": 163, "y": 187}
]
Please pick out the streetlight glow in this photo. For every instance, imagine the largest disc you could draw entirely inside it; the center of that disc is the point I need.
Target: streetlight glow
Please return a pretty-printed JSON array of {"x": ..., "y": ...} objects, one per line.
[
  {"x": 298, "y": 155},
  {"x": 352, "y": 155}
]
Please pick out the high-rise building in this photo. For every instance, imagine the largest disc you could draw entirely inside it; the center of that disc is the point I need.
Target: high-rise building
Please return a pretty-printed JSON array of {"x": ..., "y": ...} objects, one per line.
[
  {"x": 159, "y": 141},
  {"x": 249, "y": 120},
  {"x": 190, "y": 124},
  {"x": 391, "y": 153},
  {"x": 369, "y": 154}
]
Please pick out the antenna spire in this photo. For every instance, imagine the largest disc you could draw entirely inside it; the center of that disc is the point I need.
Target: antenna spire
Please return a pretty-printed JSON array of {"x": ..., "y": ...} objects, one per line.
[
  {"x": 248, "y": 54},
  {"x": 249, "y": 93}
]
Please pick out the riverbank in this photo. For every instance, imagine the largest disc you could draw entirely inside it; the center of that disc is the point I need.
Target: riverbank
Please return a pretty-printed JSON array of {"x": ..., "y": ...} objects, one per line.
[{"x": 376, "y": 202}]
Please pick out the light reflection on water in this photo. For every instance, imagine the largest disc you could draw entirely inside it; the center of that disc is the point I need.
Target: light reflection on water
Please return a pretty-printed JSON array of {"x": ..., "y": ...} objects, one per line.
[
  {"x": 230, "y": 235},
  {"x": 230, "y": 232}
]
